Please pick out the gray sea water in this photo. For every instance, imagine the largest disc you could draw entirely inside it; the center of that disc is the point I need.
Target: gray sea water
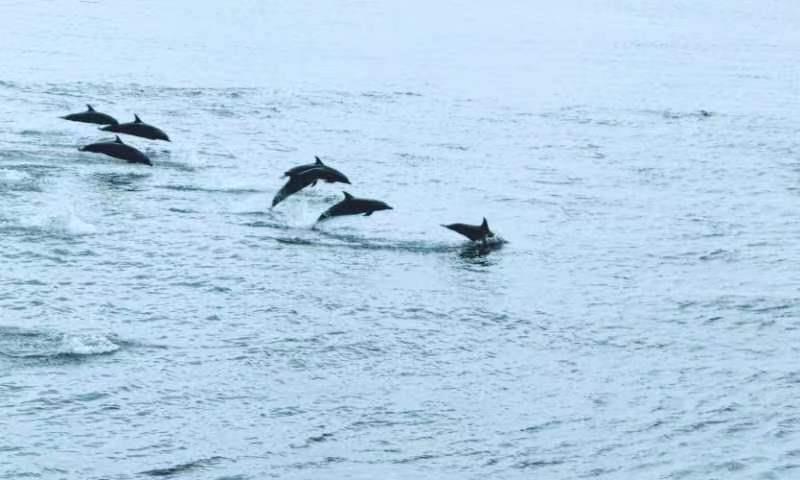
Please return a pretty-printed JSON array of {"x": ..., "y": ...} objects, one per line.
[{"x": 643, "y": 320}]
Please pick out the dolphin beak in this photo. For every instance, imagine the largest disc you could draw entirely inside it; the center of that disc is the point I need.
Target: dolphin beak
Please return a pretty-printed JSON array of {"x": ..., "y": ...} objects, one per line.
[{"x": 81, "y": 149}]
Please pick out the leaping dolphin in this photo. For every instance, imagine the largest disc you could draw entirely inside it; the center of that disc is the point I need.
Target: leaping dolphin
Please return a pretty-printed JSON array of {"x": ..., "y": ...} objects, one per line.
[
  {"x": 138, "y": 128},
  {"x": 301, "y": 168},
  {"x": 91, "y": 116},
  {"x": 473, "y": 232},
  {"x": 353, "y": 206},
  {"x": 305, "y": 175},
  {"x": 117, "y": 149}
]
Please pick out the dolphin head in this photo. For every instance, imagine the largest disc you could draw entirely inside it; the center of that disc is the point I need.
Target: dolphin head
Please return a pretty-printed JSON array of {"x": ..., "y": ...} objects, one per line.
[
  {"x": 160, "y": 135},
  {"x": 332, "y": 175},
  {"x": 92, "y": 147},
  {"x": 382, "y": 206}
]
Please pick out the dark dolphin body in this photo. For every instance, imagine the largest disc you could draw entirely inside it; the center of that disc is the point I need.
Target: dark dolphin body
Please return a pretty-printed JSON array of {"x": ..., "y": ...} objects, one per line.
[
  {"x": 473, "y": 232},
  {"x": 353, "y": 206},
  {"x": 91, "y": 116},
  {"x": 117, "y": 149},
  {"x": 305, "y": 175},
  {"x": 296, "y": 170},
  {"x": 138, "y": 128}
]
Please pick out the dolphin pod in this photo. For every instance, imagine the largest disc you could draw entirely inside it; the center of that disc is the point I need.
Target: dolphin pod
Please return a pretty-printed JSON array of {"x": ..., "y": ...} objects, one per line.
[
  {"x": 300, "y": 177},
  {"x": 306, "y": 175},
  {"x": 117, "y": 148}
]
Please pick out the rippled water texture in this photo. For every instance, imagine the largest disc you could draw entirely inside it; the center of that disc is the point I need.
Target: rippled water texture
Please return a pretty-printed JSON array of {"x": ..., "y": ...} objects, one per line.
[{"x": 641, "y": 321}]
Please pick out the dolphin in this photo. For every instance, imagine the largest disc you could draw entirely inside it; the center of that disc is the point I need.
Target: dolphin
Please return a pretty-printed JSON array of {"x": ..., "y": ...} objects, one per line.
[
  {"x": 138, "y": 128},
  {"x": 353, "y": 206},
  {"x": 117, "y": 149},
  {"x": 473, "y": 232},
  {"x": 91, "y": 116},
  {"x": 305, "y": 175},
  {"x": 298, "y": 169}
]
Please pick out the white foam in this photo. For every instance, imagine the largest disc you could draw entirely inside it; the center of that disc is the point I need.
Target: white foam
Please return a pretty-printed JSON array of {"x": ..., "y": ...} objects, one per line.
[
  {"x": 13, "y": 176},
  {"x": 86, "y": 344},
  {"x": 64, "y": 222}
]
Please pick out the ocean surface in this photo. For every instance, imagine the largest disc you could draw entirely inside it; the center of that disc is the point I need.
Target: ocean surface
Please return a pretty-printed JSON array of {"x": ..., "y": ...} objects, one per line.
[{"x": 641, "y": 159}]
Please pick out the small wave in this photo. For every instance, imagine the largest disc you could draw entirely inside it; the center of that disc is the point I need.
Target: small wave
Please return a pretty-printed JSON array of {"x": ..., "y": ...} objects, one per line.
[
  {"x": 182, "y": 210},
  {"x": 28, "y": 344},
  {"x": 13, "y": 176},
  {"x": 476, "y": 250},
  {"x": 17, "y": 181},
  {"x": 363, "y": 243},
  {"x": 120, "y": 179},
  {"x": 183, "y": 467},
  {"x": 262, "y": 224},
  {"x": 195, "y": 188},
  {"x": 65, "y": 223}
]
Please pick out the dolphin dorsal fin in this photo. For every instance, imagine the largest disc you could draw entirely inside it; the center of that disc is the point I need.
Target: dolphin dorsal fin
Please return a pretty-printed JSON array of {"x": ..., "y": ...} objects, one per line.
[
  {"x": 318, "y": 162},
  {"x": 89, "y": 107},
  {"x": 117, "y": 140},
  {"x": 136, "y": 119},
  {"x": 485, "y": 224},
  {"x": 347, "y": 196}
]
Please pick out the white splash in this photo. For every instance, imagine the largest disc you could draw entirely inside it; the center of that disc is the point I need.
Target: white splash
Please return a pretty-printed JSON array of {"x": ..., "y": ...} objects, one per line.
[{"x": 86, "y": 344}]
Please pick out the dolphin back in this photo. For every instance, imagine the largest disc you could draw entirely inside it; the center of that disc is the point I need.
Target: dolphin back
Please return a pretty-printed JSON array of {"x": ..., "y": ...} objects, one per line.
[
  {"x": 91, "y": 117},
  {"x": 138, "y": 129},
  {"x": 118, "y": 150},
  {"x": 472, "y": 232}
]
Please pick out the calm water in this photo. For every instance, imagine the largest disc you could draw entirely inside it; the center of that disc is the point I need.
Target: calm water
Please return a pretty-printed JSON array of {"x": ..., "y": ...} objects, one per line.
[{"x": 643, "y": 320}]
